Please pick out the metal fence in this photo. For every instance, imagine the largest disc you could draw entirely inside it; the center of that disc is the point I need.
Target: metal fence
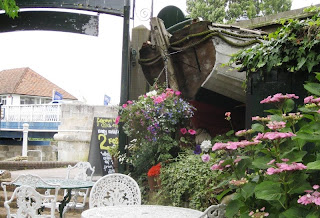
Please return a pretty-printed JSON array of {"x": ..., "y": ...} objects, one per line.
[{"x": 31, "y": 113}]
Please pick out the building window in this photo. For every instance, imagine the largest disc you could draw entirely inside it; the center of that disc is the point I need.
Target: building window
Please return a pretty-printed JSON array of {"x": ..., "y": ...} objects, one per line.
[
  {"x": 46, "y": 100},
  {"x": 3, "y": 100},
  {"x": 27, "y": 100}
]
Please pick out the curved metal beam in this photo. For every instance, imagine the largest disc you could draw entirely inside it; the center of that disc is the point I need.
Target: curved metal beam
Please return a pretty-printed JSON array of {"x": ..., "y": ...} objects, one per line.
[
  {"x": 114, "y": 7},
  {"x": 51, "y": 20}
]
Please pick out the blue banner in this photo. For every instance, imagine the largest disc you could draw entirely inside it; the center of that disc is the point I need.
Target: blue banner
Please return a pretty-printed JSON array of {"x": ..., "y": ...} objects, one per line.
[
  {"x": 106, "y": 100},
  {"x": 57, "y": 96}
]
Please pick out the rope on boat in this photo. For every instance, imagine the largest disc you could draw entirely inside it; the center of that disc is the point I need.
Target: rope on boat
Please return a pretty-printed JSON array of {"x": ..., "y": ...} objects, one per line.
[
  {"x": 245, "y": 44},
  {"x": 209, "y": 34}
]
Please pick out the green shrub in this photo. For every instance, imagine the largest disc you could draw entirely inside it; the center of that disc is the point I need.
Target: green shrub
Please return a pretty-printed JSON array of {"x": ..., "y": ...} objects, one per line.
[{"x": 190, "y": 181}]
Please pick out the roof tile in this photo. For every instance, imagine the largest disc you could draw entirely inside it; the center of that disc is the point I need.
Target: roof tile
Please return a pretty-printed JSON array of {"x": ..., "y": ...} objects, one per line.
[{"x": 25, "y": 81}]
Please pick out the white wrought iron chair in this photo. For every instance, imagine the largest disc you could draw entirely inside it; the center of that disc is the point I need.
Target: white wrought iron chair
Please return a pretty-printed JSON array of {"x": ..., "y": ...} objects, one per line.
[
  {"x": 29, "y": 201},
  {"x": 115, "y": 189},
  {"x": 81, "y": 171},
  {"x": 215, "y": 211}
]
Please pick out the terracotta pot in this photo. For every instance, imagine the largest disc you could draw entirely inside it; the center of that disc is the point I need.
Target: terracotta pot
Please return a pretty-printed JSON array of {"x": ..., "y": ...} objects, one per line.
[
  {"x": 154, "y": 182},
  {"x": 115, "y": 164}
]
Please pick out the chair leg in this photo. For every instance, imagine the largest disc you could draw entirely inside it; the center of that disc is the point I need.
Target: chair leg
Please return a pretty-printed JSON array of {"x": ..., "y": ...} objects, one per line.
[{"x": 65, "y": 209}]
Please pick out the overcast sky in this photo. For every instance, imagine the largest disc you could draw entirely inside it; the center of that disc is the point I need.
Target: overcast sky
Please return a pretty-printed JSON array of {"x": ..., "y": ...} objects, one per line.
[{"x": 85, "y": 66}]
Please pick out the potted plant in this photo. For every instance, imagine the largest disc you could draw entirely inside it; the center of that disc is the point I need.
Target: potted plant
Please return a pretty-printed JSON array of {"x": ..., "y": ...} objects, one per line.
[{"x": 154, "y": 177}]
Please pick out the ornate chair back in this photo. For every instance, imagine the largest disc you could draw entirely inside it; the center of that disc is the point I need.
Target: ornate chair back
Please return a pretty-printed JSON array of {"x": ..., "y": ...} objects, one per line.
[
  {"x": 29, "y": 201},
  {"x": 30, "y": 180},
  {"x": 214, "y": 211},
  {"x": 115, "y": 189},
  {"x": 79, "y": 171}
]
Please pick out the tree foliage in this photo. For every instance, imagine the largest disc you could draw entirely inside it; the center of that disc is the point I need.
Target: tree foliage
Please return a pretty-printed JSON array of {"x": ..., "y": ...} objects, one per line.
[
  {"x": 10, "y": 7},
  {"x": 220, "y": 11}
]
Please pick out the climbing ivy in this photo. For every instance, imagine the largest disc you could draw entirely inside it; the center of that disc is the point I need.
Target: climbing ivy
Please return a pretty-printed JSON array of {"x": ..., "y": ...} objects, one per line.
[
  {"x": 10, "y": 7},
  {"x": 295, "y": 47}
]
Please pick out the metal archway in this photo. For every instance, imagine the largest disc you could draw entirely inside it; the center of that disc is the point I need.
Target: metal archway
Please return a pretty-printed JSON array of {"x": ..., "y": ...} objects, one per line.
[
  {"x": 76, "y": 23},
  {"x": 61, "y": 21}
]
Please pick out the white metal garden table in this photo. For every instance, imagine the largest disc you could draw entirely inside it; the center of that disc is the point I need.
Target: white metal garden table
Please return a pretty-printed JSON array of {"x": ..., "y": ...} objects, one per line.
[
  {"x": 67, "y": 184},
  {"x": 140, "y": 211}
]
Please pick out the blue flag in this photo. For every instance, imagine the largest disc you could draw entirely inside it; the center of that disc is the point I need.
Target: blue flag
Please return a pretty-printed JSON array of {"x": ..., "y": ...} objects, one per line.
[
  {"x": 57, "y": 96},
  {"x": 106, "y": 100}
]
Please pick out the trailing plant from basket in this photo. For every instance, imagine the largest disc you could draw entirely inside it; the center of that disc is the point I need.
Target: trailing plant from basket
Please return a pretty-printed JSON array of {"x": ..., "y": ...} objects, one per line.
[
  {"x": 292, "y": 48},
  {"x": 154, "y": 122},
  {"x": 273, "y": 164}
]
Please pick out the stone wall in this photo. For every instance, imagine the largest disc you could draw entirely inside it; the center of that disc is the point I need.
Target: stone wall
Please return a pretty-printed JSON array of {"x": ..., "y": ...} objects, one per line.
[
  {"x": 75, "y": 129},
  {"x": 271, "y": 23},
  {"x": 49, "y": 153}
]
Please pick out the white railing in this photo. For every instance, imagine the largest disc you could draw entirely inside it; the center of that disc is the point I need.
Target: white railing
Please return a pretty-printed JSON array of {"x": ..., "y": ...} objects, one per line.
[{"x": 31, "y": 113}]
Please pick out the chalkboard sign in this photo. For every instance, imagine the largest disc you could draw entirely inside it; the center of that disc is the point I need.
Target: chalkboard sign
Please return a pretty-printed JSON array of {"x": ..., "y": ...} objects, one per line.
[{"x": 104, "y": 133}]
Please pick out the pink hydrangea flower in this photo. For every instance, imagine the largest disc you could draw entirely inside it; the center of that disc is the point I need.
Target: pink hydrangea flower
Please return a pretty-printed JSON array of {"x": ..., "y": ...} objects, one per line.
[
  {"x": 129, "y": 102},
  {"x": 217, "y": 166},
  {"x": 274, "y": 125},
  {"x": 271, "y": 162},
  {"x": 274, "y": 135},
  {"x": 306, "y": 199},
  {"x": 316, "y": 201},
  {"x": 234, "y": 145},
  {"x": 278, "y": 98},
  {"x": 281, "y": 167},
  {"x": 310, "y": 197},
  {"x": 244, "y": 132},
  {"x": 124, "y": 105},
  {"x": 264, "y": 119},
  {"x": 308, "y": 99}
]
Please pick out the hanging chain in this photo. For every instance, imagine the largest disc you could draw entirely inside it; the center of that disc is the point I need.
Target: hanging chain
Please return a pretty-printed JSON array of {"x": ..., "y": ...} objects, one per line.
[{"x": 165, "y": 59}]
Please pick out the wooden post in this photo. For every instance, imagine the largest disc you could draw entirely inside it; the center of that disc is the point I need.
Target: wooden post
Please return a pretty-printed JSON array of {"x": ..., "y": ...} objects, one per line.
[{"x": 161, "y": 39}]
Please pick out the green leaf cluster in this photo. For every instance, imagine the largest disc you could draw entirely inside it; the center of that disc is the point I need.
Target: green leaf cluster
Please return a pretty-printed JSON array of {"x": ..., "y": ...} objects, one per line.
[
  {"x": 292, "y": 48},
  {"x": 10, "y": 7},
  {"x": 220, "y": 11}
]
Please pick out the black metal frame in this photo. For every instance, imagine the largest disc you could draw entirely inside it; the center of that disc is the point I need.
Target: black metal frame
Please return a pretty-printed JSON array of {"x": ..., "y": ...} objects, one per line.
[{"x": 113, "y": 7}]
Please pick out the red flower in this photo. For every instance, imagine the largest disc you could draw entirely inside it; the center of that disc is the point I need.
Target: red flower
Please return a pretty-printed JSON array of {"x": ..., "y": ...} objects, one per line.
[{"x": 155, "y": 170}]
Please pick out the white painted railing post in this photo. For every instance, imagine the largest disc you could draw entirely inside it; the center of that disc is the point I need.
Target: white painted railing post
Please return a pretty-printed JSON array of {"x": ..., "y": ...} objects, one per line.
[{"x": 25, "y": 140}]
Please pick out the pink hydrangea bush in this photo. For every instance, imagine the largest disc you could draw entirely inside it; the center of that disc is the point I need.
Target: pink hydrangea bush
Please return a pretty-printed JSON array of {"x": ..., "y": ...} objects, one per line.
[{"x": 268, "y": 169}]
